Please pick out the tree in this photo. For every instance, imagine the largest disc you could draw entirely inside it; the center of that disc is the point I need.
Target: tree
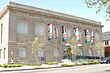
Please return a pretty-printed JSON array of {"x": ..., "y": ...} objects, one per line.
[
  {"x": 99, "y": 48},
  {"x": 100, "y": 5},
  {"x": 74, "y": 46},
  {"x": 35, "y": 46},
  {"x": 74, "y": 41}
]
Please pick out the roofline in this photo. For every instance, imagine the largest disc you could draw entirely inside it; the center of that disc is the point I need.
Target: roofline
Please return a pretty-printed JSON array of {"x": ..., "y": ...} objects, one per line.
[
  {"x": 106, "y": 32},
  {"x": 49, "y": 12},
  {"x": 3, "y": 12}
]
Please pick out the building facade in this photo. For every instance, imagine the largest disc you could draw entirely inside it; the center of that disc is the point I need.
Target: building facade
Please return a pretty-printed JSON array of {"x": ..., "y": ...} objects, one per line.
[
  {"x": 106, "y": 40},
  {"x": 21, "y": 24}
]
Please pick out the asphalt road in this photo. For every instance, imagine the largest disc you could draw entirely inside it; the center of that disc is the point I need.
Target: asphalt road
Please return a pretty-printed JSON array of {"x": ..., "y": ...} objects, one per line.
[{"x": 99, "y": 68}]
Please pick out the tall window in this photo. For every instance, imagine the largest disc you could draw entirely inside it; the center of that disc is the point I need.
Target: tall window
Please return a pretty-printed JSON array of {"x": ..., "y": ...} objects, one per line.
[
  {"x": 40, "y": 52},
  {"x": 106, "y": 42},
  {"x": 22, "y": 28},
  {"x": 76, "y": 33},
  {"x": 56, "y": 52},
  {"x": 22, "y": 53},
  {"x": 55, "y": 32},
  {"x": 92, "y": 37},
  {"x": 1, "y": 33},
  {"x": 64, "y": 33},
  {"x": 4, "y": 53},
  {"x": 87, "y": 36},
  {"x": 52, "y": 32},
  {"x": 39, "y": 30},
  {"x": 0, "y": 53},
  {"x": 96, "y": 36}
]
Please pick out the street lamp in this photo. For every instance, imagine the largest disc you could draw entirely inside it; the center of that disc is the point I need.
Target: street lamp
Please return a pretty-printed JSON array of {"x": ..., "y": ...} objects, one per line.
[{"x": 12, "y": 60}]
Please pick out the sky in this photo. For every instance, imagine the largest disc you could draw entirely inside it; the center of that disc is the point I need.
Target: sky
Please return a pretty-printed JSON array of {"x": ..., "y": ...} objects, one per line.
[{"x": 72, "y": 7}]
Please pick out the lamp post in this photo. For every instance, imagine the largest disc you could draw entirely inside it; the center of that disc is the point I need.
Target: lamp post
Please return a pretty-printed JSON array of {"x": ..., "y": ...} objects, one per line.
[{"x": 12, "y": 60}]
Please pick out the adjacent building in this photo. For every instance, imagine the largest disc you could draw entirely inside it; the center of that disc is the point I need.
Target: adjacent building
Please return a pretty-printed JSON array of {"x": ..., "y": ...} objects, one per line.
[
  {"x": 21, "y": 24},
  {"x": 106, "y": 40}
]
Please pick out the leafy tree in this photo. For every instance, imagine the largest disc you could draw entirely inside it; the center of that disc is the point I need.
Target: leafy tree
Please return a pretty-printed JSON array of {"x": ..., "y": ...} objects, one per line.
[
  {"x": 100, "y": 5},
  {"x": 35, "y": 46},
  {"x": 74, "y": 41},
  {"x": 74, "y": 46},
  {"x": 99, "y": 48}
]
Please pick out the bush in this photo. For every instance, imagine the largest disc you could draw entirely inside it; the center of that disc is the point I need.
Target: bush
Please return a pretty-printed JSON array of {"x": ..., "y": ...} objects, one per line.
[
  {"x": 67, "y": 65},
  {"x": 85, "y": 63},
  {"x": 11, "y": 65},
  {"x": 51, "y": 63},
  {"x": 0, "y": 65},
  {"x": 82, "y": 63},
  {"x": 94, "y": 62},
  {"x": 5, "y": 65}
]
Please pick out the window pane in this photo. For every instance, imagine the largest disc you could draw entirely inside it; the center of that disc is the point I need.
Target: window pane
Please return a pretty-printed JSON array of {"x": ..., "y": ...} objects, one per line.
[
  {"x": 96, "y": 36},
  {"x": 0, "y": 53},
  {"x": 21, "y": 28},
  {"x": 22, "y": 52},
  {"x": 39, "y": 29},
  {"x": 40, "y": 52}
]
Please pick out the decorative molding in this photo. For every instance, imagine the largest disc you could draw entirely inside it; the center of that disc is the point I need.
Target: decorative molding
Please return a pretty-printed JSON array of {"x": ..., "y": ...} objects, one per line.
[{"x": 33, "y": 11}]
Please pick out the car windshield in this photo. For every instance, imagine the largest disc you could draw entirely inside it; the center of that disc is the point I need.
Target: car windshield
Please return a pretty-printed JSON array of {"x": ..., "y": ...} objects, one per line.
[{"x": 107, "y": 57}]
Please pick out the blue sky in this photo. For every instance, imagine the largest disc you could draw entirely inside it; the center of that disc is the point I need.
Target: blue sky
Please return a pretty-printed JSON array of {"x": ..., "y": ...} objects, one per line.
[{"x": 73, "y": 7}]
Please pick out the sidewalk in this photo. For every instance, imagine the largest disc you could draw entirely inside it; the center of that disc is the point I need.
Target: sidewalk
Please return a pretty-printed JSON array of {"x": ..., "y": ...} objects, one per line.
[{"x": 43, "y": 66}]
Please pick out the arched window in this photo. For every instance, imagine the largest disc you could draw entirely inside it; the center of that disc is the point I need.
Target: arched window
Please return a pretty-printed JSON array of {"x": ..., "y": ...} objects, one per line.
[
  {"x": 40, "y": 52},
  {"x": 96, "y": 36},
  {"x": 77, "y": 33},
  {"x": 87, "y": 36},
  {"x": 52, "y": 31},
  {"x": 64, "y": 33},
  {"x": 39, "y": 29},
  {"x": 22, "y": 28}
]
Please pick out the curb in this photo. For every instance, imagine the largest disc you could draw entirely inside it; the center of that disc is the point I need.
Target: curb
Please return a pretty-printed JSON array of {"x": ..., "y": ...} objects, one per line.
[
  {"x": 27, "y": 69},
  {"x": 12, "y": 69}
]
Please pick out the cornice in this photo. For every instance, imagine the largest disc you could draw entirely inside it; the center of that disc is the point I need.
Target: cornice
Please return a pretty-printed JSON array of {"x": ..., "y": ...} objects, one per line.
[
  {"x": 3, "y": 12},
  {"x": 50, "y": 14}
]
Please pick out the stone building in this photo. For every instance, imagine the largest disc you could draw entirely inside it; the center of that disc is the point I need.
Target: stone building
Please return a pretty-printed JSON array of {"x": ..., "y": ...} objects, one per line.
[{"x": 21, "y": 24}]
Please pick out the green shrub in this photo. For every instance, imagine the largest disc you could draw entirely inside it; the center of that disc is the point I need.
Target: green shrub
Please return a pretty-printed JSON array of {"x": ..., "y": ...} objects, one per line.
[
  {"x": 51, "y": 63},
  {"x": 0, "y": 65},
  {"x": 85, "y": 63},
  {"x": 67, "y": 65},
  {"x": 93, "y": 62},
  {"x": 18, "y": 65},
  {"x": 11, "y": 65},
  {"x": 76, "y": 64},
  {"x": 82, "y": 63},
  {"x": 5, "y": 65}
]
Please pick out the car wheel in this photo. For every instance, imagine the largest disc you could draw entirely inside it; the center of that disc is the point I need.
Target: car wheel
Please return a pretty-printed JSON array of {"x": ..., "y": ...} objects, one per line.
[{"x": 108, "y": 62}]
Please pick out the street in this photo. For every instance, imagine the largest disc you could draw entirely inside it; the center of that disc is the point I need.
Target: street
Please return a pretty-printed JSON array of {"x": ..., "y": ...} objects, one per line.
[{"x": 99, "y": 68}]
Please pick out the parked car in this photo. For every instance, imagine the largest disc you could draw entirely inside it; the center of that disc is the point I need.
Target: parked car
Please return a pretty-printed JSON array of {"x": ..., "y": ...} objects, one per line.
[{"x": 105, "y": 60}]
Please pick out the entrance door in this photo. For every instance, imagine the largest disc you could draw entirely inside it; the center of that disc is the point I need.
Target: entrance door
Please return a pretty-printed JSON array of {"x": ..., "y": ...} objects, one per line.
[
  {"x": 107, "y": 51},
  {"x": 69, "y": 53}
]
